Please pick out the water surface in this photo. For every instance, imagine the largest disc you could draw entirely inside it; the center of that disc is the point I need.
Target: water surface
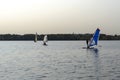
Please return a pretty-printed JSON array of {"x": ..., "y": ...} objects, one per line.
[{"x": 60, "y": 60}]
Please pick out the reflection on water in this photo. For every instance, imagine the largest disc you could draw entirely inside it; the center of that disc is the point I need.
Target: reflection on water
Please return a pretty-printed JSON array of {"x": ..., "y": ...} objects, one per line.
[{"x": 96, "y": 62}]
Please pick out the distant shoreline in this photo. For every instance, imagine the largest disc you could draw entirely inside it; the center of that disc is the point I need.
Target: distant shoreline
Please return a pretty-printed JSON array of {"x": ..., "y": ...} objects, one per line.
[
  {"x": 55, "y": 37},
  {"x": 52, "y": 40}
]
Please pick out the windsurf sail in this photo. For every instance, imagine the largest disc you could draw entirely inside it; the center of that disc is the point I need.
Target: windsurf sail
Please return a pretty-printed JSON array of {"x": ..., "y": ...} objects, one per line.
[
  {"x": 45, "y": 40},
  {"x": 35, "y": 38},
  {"x": 95, "y": 38}
]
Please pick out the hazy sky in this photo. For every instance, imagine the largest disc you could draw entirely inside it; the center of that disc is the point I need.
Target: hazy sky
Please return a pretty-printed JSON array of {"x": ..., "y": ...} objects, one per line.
[{"x": 59, "y": 16}]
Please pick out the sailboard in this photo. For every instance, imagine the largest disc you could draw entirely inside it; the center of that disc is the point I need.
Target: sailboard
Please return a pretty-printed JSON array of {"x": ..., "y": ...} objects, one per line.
[
  {"x": 94, "y": 40},
  {"x": 45, "y": 40},
  {"x": 35, "y": 40}
]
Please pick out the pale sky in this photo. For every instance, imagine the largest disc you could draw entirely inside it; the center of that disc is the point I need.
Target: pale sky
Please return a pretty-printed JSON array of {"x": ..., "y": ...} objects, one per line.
[{"x": 59, "y": 16}]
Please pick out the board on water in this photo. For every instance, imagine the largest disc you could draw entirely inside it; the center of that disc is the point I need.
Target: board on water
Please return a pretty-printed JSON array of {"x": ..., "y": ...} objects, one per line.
[{"x": 87, "y": 48}]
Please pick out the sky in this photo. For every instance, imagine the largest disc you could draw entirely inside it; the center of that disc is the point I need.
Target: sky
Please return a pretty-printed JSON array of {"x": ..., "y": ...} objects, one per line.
[{"x": 59, "y": 16}]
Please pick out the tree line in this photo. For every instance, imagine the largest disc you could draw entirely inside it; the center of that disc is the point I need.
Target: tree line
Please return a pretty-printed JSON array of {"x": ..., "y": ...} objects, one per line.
[{"x": 57, "y": 37}]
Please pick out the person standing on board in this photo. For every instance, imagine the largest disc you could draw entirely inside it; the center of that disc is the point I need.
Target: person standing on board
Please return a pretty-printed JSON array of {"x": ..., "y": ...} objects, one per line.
[{"x": 87, "y": 43}]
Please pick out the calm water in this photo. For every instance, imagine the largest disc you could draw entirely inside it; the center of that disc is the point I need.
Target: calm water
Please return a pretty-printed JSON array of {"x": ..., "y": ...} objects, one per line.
[{"x": 60, "y": 60}]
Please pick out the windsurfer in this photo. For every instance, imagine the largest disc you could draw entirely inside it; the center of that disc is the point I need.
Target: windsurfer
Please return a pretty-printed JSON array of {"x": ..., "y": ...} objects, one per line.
[{"x": 87, "y": 43}]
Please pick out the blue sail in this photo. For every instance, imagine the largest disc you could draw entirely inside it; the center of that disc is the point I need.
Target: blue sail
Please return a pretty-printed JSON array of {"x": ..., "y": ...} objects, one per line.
[{"x": 95, "y": 38}]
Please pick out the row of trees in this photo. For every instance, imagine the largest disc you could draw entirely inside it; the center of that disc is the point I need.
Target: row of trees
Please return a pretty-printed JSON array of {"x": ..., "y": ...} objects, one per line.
[{"x": 57, "y": 37}]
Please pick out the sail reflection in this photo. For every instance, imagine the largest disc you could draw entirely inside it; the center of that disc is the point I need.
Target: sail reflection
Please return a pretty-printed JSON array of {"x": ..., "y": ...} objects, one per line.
[
  {"x": 95, "y": 53},
  {"x": 97, "y": 63}
]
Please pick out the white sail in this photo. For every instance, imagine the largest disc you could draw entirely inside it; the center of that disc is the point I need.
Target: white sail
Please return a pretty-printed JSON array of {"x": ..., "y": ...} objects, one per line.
[
  {"x": 35, "y": 38},
  {"x": 45, "y": 39}
]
